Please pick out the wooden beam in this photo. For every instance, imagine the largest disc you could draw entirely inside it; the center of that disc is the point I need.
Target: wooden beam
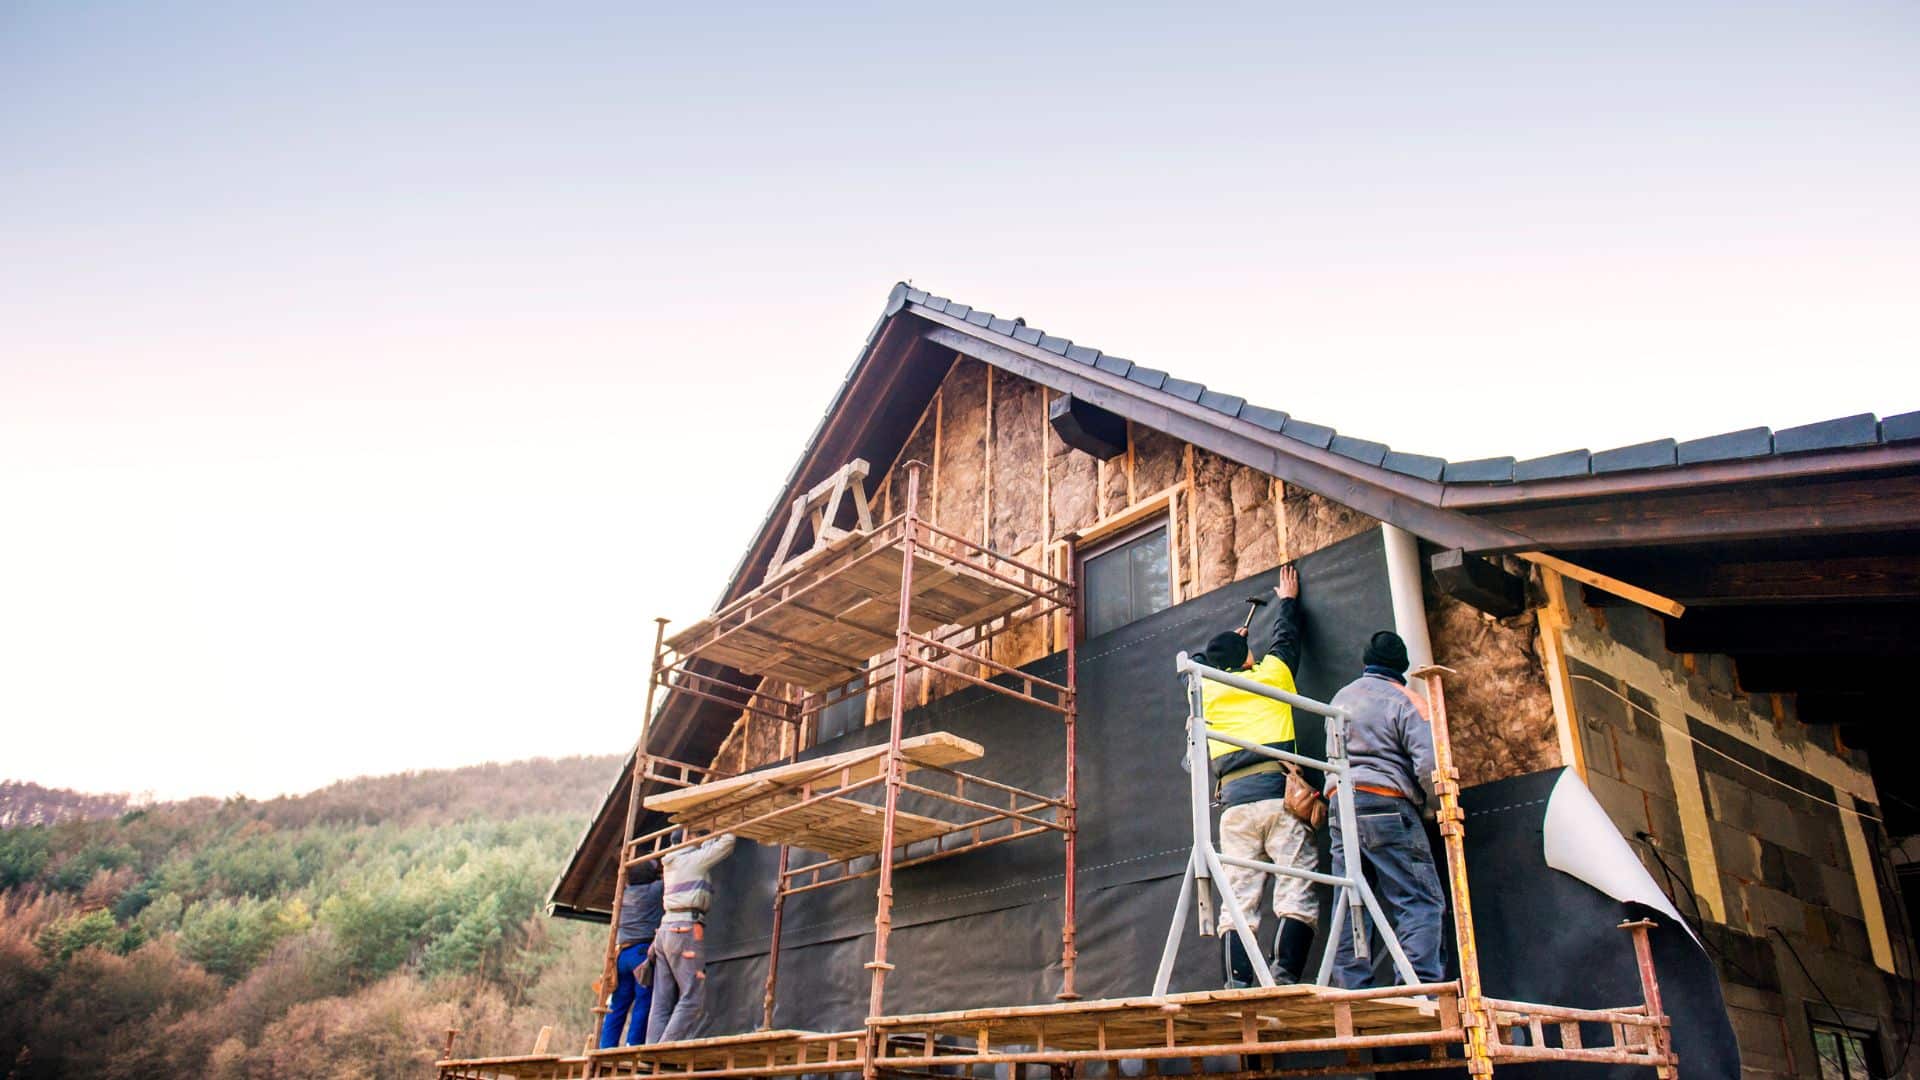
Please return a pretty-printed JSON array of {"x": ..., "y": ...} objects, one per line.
[
  {"x": 1554, "y": 621},
  {"x": 1822, "y": 506},
  {"x": 1831, "y": 673},
  {"x": 1798, "y": 629},
  {"x": 1479, "y": 584},
  {"x": 1643, "y": 597},
  {"x": 1703, "y": 580}
]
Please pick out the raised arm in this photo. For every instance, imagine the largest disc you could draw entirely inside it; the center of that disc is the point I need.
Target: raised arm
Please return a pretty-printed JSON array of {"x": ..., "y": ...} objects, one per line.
[
  {"x": 703, "y": 858},
  {"x": 1286, "y": 620}
]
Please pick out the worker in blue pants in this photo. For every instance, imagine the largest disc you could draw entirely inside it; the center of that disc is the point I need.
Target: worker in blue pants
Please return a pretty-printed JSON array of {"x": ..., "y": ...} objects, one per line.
[{"x": 640, "y": 914}]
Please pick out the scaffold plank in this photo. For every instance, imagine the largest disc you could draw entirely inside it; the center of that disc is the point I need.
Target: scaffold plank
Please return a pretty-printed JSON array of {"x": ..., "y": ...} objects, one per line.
[
  {"x": 777, "y": 806},
  {"x": 819, "y": 624},
  {"x": 757, "y": 1053}
]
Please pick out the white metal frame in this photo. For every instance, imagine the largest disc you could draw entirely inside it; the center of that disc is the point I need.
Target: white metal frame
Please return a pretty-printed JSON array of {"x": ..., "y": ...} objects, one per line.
[{"x": 1354, "y": 905}]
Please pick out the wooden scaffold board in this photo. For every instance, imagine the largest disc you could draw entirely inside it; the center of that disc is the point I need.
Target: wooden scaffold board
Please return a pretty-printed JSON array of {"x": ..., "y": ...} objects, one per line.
[
  {"x": 819, "y": 624},
  {"x": 1123, "y": 1028},
  {"x": 841, "y": 827},
  {"x": 757, "y": 1053}
]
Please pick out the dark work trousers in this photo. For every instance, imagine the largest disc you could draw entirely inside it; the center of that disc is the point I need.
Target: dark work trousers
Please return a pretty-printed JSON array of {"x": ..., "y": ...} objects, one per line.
[
  {"x": 679, "y": 962},
  {"x": 1398, "y": 864},
  {"x": 630, "y": 997}
]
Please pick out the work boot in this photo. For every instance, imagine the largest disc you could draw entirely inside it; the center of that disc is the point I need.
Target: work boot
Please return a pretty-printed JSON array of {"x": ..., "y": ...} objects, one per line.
[
  {"x": 1236, "y": 966},
  {"x": 1291, "y": 944}
]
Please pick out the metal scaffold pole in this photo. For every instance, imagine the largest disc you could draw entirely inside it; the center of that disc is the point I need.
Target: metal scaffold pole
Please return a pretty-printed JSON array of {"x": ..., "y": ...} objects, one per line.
[
  {"x": 1070, "y": 810},
  {"x": 1453, "y": 835},
  {"x": 903, "y": 641}
]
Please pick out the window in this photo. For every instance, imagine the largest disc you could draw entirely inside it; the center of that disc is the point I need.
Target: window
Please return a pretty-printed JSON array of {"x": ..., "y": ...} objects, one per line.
[
  {"x": 1125, "y": 579},
  {"x": 1845, "y": 1053}
]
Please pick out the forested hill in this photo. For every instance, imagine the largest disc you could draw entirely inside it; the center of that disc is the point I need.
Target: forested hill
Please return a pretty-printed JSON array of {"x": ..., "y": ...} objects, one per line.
[
  {"x": 22, "y": 803},
  {"x": 333, "y": 934}
]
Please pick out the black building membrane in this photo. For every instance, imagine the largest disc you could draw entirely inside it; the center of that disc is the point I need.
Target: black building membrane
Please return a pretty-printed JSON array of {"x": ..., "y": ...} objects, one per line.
[{"x": 982, "y": 928}]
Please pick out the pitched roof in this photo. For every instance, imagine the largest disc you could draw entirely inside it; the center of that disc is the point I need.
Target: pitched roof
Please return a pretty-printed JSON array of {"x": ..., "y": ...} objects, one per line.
[{"x": 1840, "y": 433}]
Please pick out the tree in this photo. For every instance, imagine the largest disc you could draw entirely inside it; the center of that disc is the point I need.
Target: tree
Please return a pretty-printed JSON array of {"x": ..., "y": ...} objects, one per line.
[{"x": 228, "y": 937}]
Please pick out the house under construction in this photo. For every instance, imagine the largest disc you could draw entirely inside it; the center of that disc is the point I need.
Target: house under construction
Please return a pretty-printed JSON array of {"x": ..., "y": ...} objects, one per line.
[{"x": 944, "y": 696}]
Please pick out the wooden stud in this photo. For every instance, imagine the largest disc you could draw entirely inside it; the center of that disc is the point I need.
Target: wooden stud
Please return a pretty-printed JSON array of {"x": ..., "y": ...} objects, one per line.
[
  {"x": 1132, "y": 494},
  {"x": 1553, "y": 621},
  {"x": 1193, "y": 523}
]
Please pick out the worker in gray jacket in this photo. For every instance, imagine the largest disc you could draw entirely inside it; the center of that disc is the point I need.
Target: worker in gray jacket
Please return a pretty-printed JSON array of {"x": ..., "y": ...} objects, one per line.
[
  {"x": 1390, "y": 766},
  {"x": 679, "y": 955}
]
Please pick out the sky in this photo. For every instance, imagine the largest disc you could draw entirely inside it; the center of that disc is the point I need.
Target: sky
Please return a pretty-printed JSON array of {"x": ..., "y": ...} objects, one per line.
[{"x": 372, "y": 375}]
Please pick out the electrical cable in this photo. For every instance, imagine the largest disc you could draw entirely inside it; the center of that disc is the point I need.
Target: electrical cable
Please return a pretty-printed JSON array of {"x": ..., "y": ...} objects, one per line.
[
  {"x": 1699, "y": 917},
  {"x": 1781, "y": 934}
]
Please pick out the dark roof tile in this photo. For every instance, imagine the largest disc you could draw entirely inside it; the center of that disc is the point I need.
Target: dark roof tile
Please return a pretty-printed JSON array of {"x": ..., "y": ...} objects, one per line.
[
  {"x": 1553, "y": 466},
  {"x": 1319, "y": 435},
  {"x": 1226, "y": 403},
  {"x": 1417, "y": 465},
  {"x": 1750, "y": 442},
  {"x": 1837, "y": 434},
  {"x": 1657, "y": 454},
  {"x": 1362, "y": 450},
  {"x": 1841, "y": 433},
  {"x": 1152, "y": 378},
  {"x": 1493, "y": 470},
  {"x": 1902, "y": 428},
  {"x": 1182, "y": 389},
  {"x": 1261, "y": 416}
]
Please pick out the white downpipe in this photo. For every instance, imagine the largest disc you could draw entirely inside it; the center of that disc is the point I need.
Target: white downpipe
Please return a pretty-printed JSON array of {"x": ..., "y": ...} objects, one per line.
[{"x": 1409, "y": 602}]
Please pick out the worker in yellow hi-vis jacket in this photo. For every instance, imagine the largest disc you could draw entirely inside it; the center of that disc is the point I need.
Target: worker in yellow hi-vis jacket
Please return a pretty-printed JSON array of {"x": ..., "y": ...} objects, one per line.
[{"x": 1255, "y": 823}]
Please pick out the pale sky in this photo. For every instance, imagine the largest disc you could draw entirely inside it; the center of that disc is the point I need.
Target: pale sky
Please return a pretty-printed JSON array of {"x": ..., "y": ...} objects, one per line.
[{"x": 369, "y": 378}]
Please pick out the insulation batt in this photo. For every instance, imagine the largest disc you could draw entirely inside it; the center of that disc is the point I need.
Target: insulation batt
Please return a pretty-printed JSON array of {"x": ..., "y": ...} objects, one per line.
[
  {"x": 1019, "y": 489},
  {"x": 1498, "y": 705},
  {"x": 1075, "y": 486},
  {"x": 1213, "y": 520},
  {"x": 1314, "y": 522},
  {"x": 1158, "y": 460}
]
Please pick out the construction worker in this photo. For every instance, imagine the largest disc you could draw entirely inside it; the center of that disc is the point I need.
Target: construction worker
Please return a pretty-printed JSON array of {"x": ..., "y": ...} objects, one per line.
[
  {"x": 678, "y": 958},
  {"x": 1390, "y": 759},
  {"x": 640, "y": 913},
  {"x": 1255, "y": 823}
]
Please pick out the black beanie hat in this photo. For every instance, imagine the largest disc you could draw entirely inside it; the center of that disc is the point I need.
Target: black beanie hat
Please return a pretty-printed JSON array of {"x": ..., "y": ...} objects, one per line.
[
  {"x": 1227, "y": 651},
  {"x": 1386, "y": 650}
]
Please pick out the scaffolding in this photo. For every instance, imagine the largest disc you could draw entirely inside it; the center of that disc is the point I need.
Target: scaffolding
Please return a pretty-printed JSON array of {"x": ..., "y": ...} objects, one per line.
[
  {"x": 855, "y": 615},
  {"x": 921, "y": 598}
]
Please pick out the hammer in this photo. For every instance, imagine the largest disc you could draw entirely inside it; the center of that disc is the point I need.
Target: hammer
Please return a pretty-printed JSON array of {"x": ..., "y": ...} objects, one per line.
[{"x": 1254, "y": 604}]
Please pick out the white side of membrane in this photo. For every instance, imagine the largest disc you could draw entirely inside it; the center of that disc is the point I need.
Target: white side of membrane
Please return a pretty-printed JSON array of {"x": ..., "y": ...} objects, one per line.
[{"x": 1582, "y": 841}]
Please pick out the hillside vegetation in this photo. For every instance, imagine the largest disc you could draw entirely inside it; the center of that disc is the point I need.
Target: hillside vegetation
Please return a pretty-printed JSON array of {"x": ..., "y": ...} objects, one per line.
[{"x": 335, "y": 934}]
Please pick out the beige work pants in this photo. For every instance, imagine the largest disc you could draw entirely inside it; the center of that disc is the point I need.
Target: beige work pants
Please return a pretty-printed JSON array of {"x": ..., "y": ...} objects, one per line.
[{"x": 1264, "y": 831}]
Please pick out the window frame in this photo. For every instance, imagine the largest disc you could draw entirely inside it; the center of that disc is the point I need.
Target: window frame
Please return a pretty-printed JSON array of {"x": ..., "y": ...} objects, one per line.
[
  {"x": 1846, "y": 1026},
  {"x": 1112, "y": 541}
]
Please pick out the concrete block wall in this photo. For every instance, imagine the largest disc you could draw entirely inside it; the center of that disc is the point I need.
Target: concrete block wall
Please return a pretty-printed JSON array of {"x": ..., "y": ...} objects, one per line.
[{"x": 1760, "y": 829}]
